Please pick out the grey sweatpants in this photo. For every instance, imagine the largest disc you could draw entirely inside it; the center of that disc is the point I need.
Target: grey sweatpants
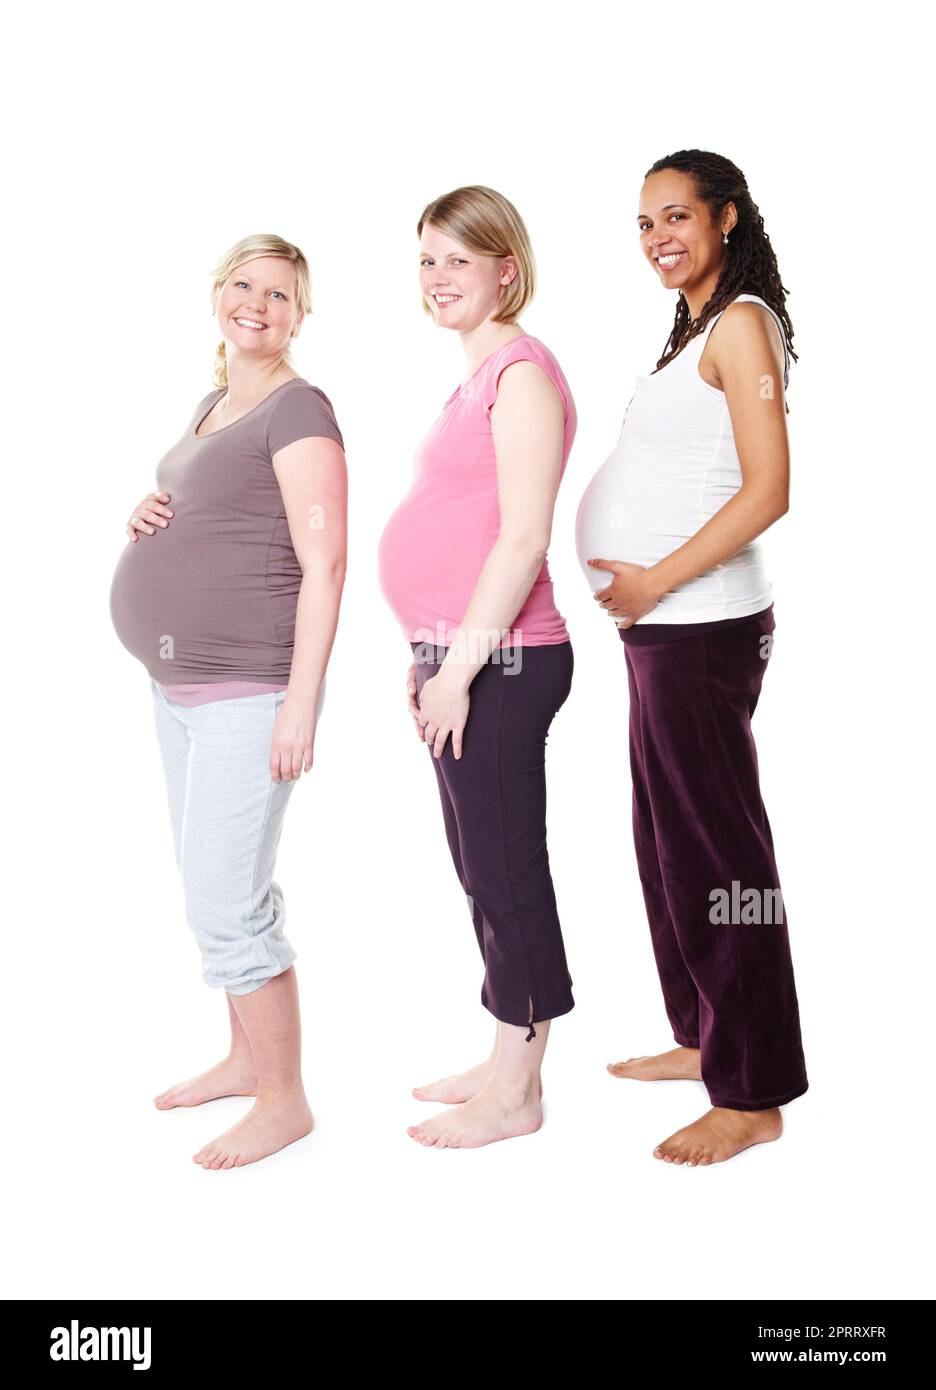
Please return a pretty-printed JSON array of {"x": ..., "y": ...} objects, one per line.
[{"x": 227, "y": 815}]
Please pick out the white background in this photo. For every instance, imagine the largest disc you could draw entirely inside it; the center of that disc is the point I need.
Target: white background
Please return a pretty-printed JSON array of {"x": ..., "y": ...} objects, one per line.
[{"x": 141, "y": 144}]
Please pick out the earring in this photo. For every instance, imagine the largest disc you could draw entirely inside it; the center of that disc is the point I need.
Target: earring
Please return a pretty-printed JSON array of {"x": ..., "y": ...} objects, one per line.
[{"x": 725, "y": 239}]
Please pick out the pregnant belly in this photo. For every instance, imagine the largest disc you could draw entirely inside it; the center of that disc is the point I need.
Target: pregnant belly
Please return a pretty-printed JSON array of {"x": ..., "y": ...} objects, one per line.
[
  {"x": 425, "y": 573},
  {"x": 618, "y": 520},
  {"x": 178, "y": 605},
  {"x": 615, "y": 524}
]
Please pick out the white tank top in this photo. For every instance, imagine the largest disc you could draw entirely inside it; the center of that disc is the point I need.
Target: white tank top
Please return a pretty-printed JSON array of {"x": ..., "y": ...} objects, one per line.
[{"x": 673, "y": 467}]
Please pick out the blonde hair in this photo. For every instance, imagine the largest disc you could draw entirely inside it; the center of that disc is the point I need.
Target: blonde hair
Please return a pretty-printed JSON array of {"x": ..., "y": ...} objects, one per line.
[
  {"x": 249, "y": 247},
  {"x": 487, "y": 223}
]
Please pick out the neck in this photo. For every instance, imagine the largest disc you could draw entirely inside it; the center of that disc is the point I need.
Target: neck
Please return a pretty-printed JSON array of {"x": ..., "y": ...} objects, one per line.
[
  {"x": 249, "y": 382},
  {"x": 698, "y": 295},
  {"x": 480, "y": 342}
]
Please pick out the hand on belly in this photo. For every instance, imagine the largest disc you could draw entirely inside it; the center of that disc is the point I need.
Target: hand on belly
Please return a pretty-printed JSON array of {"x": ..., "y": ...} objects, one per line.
[{"x": 630, "y": 592}]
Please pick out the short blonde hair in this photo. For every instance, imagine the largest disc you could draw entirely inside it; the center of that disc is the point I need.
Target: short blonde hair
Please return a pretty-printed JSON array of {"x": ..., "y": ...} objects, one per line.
[
  {"x": 247, "y": 249},
  {"x": 487, "y": 223}
]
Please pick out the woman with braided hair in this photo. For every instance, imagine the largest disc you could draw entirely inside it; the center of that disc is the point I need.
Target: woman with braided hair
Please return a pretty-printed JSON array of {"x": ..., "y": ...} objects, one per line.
[{"x": 700, "y": 470}]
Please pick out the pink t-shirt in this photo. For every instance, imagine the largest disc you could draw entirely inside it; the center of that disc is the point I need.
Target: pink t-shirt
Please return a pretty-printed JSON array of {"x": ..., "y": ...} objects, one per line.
[{"x": 435, "y": 543}]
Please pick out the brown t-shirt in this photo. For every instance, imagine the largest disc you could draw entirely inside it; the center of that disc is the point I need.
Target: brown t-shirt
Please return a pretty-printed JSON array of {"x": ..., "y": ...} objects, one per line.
[{"x": 212, "y": 597}]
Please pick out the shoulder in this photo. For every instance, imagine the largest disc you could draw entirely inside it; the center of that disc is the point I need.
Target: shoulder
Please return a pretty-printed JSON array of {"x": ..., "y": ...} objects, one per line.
[
  {"x": 211, "y": 399},
  {"x": 747, "y": 324},
  {"x": 302, "y": 395},
  {"x": 534, "y": 376},
  {"x": 300, "y": 411}
]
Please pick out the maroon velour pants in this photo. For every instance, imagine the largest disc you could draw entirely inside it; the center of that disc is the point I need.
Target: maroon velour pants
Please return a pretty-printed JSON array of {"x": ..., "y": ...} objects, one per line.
[{"x": 706, "y": 861}]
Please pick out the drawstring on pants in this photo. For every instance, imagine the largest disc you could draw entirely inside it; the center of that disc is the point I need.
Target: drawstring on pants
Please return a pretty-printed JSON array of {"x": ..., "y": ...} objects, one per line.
[{"x": 532, "y": 1032}]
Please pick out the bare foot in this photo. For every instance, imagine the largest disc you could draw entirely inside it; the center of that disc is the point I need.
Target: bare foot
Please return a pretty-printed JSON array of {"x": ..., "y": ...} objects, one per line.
[
  {"x": 487, "y": 1117},
  {"x": 720, "y": 1135},
  {"x": 271, "y": 1125},
  {"x": 682, "y": 1064},
  {"x": 454, "y": 1090},
  {"x": 232, "y": 1077}
]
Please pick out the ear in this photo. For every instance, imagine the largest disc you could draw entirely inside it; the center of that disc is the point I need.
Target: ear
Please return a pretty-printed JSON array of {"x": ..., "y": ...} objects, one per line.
[{"x": 508, "y": 268}]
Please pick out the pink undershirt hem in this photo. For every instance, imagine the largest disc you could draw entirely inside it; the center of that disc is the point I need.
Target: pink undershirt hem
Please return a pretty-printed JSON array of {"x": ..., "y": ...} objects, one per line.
[{"x": 203, "y": 692}]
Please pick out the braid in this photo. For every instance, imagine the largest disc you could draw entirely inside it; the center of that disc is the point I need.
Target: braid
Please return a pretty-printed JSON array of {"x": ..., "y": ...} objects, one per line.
[{"x": 750, "y": 264}]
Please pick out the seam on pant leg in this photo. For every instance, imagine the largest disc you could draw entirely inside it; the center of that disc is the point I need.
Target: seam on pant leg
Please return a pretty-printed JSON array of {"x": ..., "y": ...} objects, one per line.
[
  {"x": 736, "y": 954},
  {"x": 185, "y": 801},
  {"x": 642, "y": 722},
  {"x": 500, "y": 803},
  {"x": 260, "y": 839}
]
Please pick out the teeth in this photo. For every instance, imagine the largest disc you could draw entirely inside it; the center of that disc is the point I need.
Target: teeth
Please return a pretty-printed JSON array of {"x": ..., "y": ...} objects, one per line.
[
  {"x": 446, "y": 298},
  {"x": 249, "y": 323},
  {"x": 668, "y": 261}
]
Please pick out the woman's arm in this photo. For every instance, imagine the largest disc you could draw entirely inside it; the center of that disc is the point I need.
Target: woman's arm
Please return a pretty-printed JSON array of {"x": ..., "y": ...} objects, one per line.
[
  {"x": 527, "y": 424},
  {"x": 313, "y": 480},
  {"x": 747, "y": 354}
]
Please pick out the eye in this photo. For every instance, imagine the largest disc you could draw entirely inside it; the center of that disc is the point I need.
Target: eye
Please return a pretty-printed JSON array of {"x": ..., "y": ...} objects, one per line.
[
  {"x": 677, "y": 214},
  {"x": 280, "y": 293},
  {"x": 238, "y": 283}
]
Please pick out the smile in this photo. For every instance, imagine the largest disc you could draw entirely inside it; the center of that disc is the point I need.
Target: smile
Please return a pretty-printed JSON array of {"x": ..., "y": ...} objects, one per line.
[
  {"x": 250, "y": 323},
  {"x": 667, "y": 262},
  {"x": 446, "y": 298}
]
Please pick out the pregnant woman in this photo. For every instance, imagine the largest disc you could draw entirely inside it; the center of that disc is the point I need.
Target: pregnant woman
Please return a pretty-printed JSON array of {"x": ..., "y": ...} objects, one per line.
[
  {"x": 699, "y": 471},
  {"x": 228, "y": 592},
  {"x": 463, "y": 566}
]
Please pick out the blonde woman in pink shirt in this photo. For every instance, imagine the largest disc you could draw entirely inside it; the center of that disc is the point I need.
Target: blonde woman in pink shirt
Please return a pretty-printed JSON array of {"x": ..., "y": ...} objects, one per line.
[{"x": 463, "y": 566}]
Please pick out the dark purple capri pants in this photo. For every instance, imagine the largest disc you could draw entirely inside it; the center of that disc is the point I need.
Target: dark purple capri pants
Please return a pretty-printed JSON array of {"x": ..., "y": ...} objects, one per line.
[
  {"x": 703, "y": 841},
  {"x": 494, "y": 807}
]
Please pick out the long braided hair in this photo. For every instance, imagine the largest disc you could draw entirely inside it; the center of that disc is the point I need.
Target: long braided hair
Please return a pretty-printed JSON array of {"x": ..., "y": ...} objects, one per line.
[{"x": 750, "y": 264}]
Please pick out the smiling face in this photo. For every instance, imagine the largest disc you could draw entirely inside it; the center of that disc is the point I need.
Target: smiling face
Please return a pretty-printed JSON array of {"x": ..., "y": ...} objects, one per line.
[
  {"x": 461, "y": 287},
  {"x": 677, "y": 236},
  {"x": 257, "y": 309}
]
